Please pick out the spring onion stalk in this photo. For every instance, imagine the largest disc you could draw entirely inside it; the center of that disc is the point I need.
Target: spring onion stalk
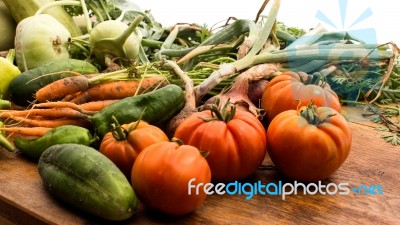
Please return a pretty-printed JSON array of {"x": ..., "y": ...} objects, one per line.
[
  {"x": 249, "y": 41},
  {"x": 323, "y": 54},
  {"x": 151, "y": 43},
  {"x": 227, "y": 70},
  {"x": 335, "y": 46},
  {"x": 263, "y": 37},
  {"x": 177, "y": 52},
  {"x": 233, "y": 30},
  {"x": 169, "y": 41},
  {"x": 142, "y": 55},
  {"x": 306, "y": 67},
  {"x": 209, "y": 48}
]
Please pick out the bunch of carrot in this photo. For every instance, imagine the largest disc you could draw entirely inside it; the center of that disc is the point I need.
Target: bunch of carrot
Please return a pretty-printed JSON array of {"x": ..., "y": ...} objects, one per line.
[{"x": 73, "y": 99}]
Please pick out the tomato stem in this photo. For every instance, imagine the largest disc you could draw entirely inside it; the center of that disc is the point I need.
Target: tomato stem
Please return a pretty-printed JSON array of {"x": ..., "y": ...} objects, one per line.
[
  {"x": 177, "y": 140},
  {"x": 315, "y": 78},
  {"x": 311, "y": 116},
  {"x": 134, "y": 125},
  {"x": 118, "y": 132},
  {"x": 226, "y": 113}
]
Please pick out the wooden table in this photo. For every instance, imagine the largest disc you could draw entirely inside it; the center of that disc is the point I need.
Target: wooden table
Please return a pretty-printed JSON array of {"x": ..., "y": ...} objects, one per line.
[{"x": 372, "y": 161}]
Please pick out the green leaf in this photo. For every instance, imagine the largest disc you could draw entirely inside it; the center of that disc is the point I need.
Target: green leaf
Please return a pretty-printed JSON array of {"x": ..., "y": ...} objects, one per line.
[
  {"x": 393, "y": 138},
  {"x": 382, "y": 129}
]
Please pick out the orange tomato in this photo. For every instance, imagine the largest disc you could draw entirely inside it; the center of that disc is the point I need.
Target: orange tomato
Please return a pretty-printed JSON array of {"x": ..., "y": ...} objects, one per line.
[
  {"x": 235, "y": 143},
  {"x": 161, "y": 174},
  {"x": 123, "y": 144},
  {"x": 309, "y": 144},
  {"x": 286, "y": 90}
]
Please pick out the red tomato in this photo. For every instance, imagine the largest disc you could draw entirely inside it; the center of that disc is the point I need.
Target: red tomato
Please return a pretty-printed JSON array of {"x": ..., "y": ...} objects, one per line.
[
  {"x": 309, "y": 145},
  {"x": 161, "y": 174},
  {"x": 236, "y": 147},
  {"x": 123, "y": 144},
  {"x": 284, "y": 92}
]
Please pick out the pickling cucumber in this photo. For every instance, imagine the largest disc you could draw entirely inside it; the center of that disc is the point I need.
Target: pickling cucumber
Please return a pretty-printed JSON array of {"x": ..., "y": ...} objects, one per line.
[
  {"x": 83, "y": 177},
  {"x": 58, "y": 135},
  {"x": 156, "y": 108}
]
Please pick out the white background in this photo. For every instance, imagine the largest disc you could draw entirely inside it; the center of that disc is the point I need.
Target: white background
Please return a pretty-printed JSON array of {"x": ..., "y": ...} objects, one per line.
[{"x": 384, "y": 19}]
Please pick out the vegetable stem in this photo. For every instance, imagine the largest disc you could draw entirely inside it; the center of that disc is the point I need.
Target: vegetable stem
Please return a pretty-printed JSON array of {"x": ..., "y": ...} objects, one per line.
[
  {"x": 262, "y": 38},
  {"x": 4, "y": 104},
  {"x": 56, "y": 3},
  {"x": 124, "y": 36},
  {"x": 86, "y": 15},
  {"x": 310, "y": 115},
  {"x": 227, "y": 70},
  {"x": 118, "y": 132},
  {"x": 322, "y": 54}
]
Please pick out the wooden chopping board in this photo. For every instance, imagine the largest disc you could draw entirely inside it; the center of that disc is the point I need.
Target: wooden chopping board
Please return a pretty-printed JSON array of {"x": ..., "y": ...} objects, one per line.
[{"x": 372, "y": 162}]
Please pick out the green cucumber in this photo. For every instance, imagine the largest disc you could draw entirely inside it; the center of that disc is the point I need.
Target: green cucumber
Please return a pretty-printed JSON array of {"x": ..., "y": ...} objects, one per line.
[
  {"x": 24, "y": 86},
  {"x": 59, "y": 135},
  {"x": 83, "y": 177},
  {"x": 157, "y": 107}
]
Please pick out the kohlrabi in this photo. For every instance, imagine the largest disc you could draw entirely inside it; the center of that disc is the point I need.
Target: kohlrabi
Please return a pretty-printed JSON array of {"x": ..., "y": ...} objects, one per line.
[
  {"x": 110, "y": 34},
  {"x": 40, "y": 39},
  {"x": 112, "y": 39}
]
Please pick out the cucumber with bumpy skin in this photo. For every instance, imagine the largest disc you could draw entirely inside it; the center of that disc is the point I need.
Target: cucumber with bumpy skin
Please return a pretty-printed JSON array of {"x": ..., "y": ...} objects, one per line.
[
  {"x": 58, "y": 135},
  {"x": 85, "y": 178},
  {"x": 156, "y": 108},
  {"x": 23, "y": 87}
]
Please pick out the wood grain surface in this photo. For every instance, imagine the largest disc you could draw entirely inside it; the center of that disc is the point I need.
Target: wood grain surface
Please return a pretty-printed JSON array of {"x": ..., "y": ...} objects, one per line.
[{"x": 372, "y": 161}]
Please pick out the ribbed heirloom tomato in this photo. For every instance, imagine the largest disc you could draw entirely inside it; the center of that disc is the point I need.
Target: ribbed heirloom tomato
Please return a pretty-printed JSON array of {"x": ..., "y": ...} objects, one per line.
[
  {"x": 284, "y": 91},
  {"x": 234, "y": 139},
  {"x": 161, "y": 174},
  {"x": 309, "y": 144},
  {"x": 123, "y": 144}
]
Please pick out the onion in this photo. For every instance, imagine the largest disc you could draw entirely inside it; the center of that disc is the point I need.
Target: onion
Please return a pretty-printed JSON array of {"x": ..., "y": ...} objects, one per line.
[
  {"x": 256, "y": 89},
  {"x": 238, "y": 94}
]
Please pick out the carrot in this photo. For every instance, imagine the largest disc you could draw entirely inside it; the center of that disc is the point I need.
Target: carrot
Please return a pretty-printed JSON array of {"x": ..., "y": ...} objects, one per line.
[
  {"x": 86, "y": 108},
  {"x": 63, "y": 87},
  {"x": 51, "y": 123},
  {"x": 119, "y": 89},
  {"x": 69, "y": 97},
  {"x": 97, "y": 105},
  {"x": 28, "y": 131},
  {"x": 47, "y": 113}
]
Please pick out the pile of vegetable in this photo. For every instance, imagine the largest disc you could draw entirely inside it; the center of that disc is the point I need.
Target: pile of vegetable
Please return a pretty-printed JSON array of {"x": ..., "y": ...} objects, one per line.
[{"x": 123, "y": 110}]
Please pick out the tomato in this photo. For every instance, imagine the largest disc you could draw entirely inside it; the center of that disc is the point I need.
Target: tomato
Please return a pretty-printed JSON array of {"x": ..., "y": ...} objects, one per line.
[
  {"x": 161, "y": 174},
  {"x": 123, "y": 144},
  {"x": 235, "y": 141},
  {"x": 309, "y": 144},
  {"x": 285, "y": 91}
]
